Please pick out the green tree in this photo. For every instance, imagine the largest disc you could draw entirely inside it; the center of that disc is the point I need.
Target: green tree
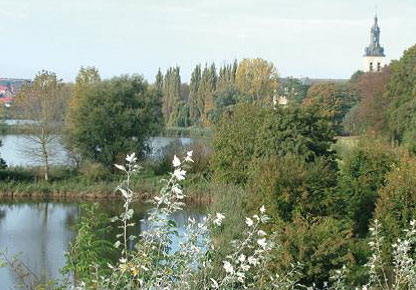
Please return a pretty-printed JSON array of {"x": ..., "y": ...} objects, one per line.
[
  {"x": 252, "y": 131},
  {"x": 171, "y": 93},
  {"x": 206, "y": 92},
  {"x": 86, "y": 77},
  {"x": 195, "y": 106},
  {"x": 400, "y": 94},
  {"x": 396, "y": 205},
  {"x": 159, "y": 81},
  {"x": 293, "y": 89},
  {"x": 131, "y": 112},
  {"x": 362, "y": 174}
]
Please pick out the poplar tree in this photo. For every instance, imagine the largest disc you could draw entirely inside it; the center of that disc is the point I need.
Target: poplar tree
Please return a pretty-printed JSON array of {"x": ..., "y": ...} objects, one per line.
[
  {"x": 159, "y": 81},
  {"x": 171, "y": 92},
  {"x": 206, "y": 92},
  {"x": 194, "y": 109}
]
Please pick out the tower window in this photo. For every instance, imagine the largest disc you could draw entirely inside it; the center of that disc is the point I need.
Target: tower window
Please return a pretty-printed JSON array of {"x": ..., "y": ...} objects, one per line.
[
  {"x": 378, "y": 66},
  {"x": 371, "y": 66}
]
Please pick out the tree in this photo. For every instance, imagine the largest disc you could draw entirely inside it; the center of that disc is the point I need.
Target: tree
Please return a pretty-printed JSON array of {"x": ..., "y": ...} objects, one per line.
[
  {"x": 171, "y": 92},
  {"x": 362, "y": 174},
  {"x": 334, "y": 101},
  {"x": 396, "y": 205},
  {"x": 159, "y": 81},
  {"x": 206, "y": 92},
  {"x": 293, "y": 89},
  {"x": 195, "y": 108},
  {"x": 257, "y": 78},
  {"x": 44, "y": 102},
  {"x": 400, "y": 94},
  {"x": 86, "y": 77},
  {"x": 115, "y": 116},
  {"x": 369, "y": 115},
  {"x": 253, "y": 132}
]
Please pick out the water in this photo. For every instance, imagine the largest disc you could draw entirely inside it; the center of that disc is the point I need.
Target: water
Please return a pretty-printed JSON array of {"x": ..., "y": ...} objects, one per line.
[
  {"x": 17, "y": 150},
  {"x": 41, "y": 231}
]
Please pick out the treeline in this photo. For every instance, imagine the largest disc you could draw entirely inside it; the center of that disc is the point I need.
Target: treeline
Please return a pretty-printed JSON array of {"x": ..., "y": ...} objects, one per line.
[{"x": 210, "y": 92}]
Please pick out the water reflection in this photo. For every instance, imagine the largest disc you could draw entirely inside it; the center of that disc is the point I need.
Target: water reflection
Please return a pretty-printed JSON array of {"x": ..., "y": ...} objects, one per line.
[{"x": 41, "y": 231}]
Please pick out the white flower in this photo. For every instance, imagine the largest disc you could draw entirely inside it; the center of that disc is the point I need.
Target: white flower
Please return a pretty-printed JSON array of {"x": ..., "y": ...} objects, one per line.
[
  {"x": 228, "y": 267},
  {"x": 242, "y": 258},
  {"x": 245, "y": 267},
  {"x": 241, "y": 276},
  {"x": 218, "y": 219},
  {"x": 176, "y": 162},
  {"x": 179, "y": 174},
  {"x": 249, "y": 222},
  {"x": 131, "y": 158},
  {"x": 214, "y": 284},
  {"x": 262, "y": 242},
  {"x": 262, "y": 209},
  {"x": 261, "y": 233},
  {"x": 178, "y": 191},
  {"x": 188, "y": 157},
  {"x": 252, "y": 261}
]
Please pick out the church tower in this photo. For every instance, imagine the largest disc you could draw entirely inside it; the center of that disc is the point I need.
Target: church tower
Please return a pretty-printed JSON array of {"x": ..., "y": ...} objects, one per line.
[{"x": 374, "y": 58}]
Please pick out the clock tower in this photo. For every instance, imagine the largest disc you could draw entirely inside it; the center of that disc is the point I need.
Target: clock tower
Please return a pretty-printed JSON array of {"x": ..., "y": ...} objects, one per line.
[{"x": 374, "y": 57}]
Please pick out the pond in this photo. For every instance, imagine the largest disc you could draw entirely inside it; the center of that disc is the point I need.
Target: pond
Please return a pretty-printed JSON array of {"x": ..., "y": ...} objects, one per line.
[
  {"x": 17, "y": 150},
  {"x": 40, "y": 231}
]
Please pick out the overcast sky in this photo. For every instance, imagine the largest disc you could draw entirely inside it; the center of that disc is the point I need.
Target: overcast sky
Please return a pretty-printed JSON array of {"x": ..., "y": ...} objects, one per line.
[{"x": 314, "y": 38}]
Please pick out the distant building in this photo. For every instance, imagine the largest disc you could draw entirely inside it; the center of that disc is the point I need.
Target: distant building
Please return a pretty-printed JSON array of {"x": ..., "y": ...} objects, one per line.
[{"x": 374, "y": 57}]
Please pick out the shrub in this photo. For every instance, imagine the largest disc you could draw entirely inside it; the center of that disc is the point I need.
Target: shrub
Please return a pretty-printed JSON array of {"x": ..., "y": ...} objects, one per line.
[
  {"x": 396, "y": 205},
  {"x": 362, "y": 173},
  {"x": 290, "y": 186},
  {"x": 93, "y": 171}
]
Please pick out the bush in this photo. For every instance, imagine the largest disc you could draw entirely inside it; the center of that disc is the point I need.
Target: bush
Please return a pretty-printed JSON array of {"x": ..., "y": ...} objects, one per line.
[
  {"x": 252, "y": 132},
  {"x": 362, "y": 173},
  {"x": 290, "y": 186},
  {"x": 396, "y": 205},
  {"x": 93, "y": 171}
]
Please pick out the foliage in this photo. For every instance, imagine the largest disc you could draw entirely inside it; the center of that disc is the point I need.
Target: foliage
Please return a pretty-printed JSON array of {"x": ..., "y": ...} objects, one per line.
[
  {"x": 369, "y": 115},
  {"x": 252, "y": 132},
  {"x": 171, "y": 93},
  {"x": 400, "y": 94},
  {"x": 234, "y": 143},
  {"x": 320, "y": 245},
  {"x": 131, "y": 112},
  {"x": 333, "y": 100},
  {"x": 293, "y": 89},
  {"x": 257, "y": 78},
  {"x": 290, "y": 187},
  {"x": 43, "y": 101},
  {"x": 396, "y": 205},
  {"x": 362, "y": 173},
  {"x": 91, "y": 251}
]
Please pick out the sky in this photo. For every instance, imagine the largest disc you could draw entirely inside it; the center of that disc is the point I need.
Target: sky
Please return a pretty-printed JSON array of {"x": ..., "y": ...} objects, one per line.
[{"x": 303, "y": 38}]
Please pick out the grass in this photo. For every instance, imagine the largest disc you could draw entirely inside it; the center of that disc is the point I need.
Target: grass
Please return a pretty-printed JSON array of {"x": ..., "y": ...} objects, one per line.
[{"x": 20, "y": 182}]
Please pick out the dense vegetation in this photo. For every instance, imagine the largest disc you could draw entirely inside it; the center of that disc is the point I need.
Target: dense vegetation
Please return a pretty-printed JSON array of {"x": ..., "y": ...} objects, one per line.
[{"x": 325, "y": 194}]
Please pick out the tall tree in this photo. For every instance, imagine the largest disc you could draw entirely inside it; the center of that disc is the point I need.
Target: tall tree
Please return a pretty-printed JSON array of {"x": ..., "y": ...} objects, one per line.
[
  {"x": 171, "y": 92},
  {"x": 159, "y": 81},
  {"x": 43, "y": 101},
  {"x": 401, "y": 92},
  {"x": 87, "y": 76},
  {"x": 206, "y": 91},
  {"x": 194, "y": 105},
  {"x": 257, "y": 78}
]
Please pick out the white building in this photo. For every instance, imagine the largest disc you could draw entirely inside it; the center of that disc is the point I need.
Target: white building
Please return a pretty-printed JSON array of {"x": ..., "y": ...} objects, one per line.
[{"x": 374, "y": 57}]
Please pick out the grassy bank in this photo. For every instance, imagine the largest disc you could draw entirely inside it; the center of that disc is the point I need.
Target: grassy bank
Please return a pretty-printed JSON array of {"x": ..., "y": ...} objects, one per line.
[{"x": 65, "y": 183}]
